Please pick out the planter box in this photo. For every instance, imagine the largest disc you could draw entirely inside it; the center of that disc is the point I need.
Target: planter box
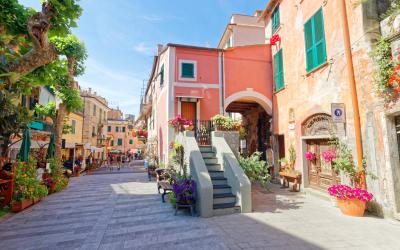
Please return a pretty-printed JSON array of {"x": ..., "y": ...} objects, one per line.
[
  {"x": 18, "y": 206},
  {"x": 291, "y": 177},
  {"x": 353, "y": 207}
]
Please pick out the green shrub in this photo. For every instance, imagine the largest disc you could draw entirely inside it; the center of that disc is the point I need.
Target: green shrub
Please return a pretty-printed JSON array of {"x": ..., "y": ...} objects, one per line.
[{"x": 255, "y": 169}]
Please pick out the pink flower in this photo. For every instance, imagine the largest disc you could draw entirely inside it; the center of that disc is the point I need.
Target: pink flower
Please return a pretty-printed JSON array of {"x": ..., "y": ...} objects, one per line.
[
  {"x": 345, "y": 192},
  {"x": 329, "y": 155},
  {"x": 310, "y": 156}
]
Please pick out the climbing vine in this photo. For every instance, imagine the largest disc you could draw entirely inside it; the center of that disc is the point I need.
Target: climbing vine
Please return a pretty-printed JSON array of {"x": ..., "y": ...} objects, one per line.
[{"x": 387, "y": 78}]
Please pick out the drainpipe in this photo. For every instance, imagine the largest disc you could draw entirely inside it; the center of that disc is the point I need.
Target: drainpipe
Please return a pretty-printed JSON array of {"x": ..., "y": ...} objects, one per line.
[{"x": 353, "y": 90}]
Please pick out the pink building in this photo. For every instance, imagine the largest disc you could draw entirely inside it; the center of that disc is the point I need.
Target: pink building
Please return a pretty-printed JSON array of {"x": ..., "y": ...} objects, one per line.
[{"x": 199, "y": 82}]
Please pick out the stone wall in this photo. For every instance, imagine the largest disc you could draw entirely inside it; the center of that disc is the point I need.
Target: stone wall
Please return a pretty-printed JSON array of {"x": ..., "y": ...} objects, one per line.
[{"x": 232, "y": 138}]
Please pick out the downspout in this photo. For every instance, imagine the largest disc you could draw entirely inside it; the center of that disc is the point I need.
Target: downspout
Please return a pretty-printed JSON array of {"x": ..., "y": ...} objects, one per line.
[
  {"x": 222, "y": 82},
  {"x": 353, "y": 91}
]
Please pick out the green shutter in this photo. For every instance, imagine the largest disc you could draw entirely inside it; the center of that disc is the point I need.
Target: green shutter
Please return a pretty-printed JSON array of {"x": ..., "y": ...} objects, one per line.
[
  {"x": 276, "y": 20},
  {"x": 123, "y": 129},
  {"x": 314, "y": 36},
  {"x": 278, "y": 71},
  {"x": 116, "y": 129},
  {"x": 119, "y": 141},
  {"x": 109, "y": 129},
  {"x": 130, "y": 141},
  {"x": 162, "y": 75},
  {"x": 187, "y": 70}
]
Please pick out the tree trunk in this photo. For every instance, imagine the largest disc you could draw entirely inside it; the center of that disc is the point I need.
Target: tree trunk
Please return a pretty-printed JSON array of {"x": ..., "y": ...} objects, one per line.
[
  {"x": 42, "y": 52},
  {"x": 62, "y": 109}
]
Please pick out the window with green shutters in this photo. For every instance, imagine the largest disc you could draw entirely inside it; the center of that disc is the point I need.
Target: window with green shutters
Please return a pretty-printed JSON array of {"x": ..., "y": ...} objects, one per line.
[
  {"x": 130, "y": 141},
  {"x": 276, "y": 19},
  {"x": 162, "y": 76},
  {"x": 123, "y": 129},
  {"x": 187, "y": 70},
  {"x": 116, "y": 129},
  {"x": 119, "y": 141},
  {"x": 279, "y": 80},
  {"x": 314, "y": 36},
  {"x": 109, "y": 129}
]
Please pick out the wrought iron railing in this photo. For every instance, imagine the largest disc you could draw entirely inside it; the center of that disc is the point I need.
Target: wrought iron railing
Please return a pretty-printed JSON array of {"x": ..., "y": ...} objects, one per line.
[{"x": 203, "y": 129}]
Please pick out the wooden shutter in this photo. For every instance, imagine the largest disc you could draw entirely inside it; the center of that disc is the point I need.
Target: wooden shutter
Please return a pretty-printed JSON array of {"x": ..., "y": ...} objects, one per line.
[
  {"x": 309, "y": 41},
  {"x": 278, "y": 71},
  {"x": 187, "y": 70},
  {"x": 162, "y": 75},
  {"x": 319, "y": 35},
  {"x": 119, "y": 141},
  {"x": 275, "y": 19}
]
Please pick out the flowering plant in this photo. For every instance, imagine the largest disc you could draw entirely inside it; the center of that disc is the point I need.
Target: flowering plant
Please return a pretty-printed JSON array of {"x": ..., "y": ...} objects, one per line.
[
  {"x": 310, "y": 156},
  {"x": 394, "y": 79},
  {"x": 184, "y": 190},
  {"x": 274, "y": 39},
  {"x": 177, "y": 122},
  {"x": 187, "y": 122},
  {"x": 345, "y": 192},
  {"x": 329, "y": 155}
]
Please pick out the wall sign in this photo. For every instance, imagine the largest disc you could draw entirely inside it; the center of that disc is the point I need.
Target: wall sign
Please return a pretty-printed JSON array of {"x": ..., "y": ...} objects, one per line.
[{"x": 338, "y": 112}]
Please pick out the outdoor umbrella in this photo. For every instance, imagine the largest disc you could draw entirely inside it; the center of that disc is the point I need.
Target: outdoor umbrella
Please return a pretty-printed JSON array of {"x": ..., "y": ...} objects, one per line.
[
  {"x": 52, "y": 146},
  {"x": 25, "y": 146}
]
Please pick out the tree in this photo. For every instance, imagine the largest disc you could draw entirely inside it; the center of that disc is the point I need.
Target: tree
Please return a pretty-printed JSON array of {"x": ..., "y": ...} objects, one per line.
[{"x": 33, "y": 48}]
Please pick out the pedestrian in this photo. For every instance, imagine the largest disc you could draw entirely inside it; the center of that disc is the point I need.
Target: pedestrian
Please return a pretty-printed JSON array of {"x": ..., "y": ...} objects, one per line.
[{"x": 119, "y": 162}]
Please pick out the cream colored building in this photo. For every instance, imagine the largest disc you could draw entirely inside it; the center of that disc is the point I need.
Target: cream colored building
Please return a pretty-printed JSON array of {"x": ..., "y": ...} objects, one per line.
[{"x": 73, "y": 140}]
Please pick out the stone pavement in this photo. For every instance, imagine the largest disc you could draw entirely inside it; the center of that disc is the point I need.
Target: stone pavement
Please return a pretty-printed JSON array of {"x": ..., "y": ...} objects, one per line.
[{"x": 124, "y": 211}]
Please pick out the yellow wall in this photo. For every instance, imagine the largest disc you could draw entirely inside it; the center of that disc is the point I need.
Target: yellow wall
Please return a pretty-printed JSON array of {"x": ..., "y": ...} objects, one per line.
[{"x": 77, "y": 136}]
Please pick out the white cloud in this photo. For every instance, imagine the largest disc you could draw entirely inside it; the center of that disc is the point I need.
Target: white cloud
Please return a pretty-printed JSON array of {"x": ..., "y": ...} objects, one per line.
[{"x": 144, "y": 49}]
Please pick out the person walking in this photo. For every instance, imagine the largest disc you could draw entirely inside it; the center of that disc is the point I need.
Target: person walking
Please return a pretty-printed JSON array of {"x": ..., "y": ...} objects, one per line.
[{"x": 119, "y": 162}]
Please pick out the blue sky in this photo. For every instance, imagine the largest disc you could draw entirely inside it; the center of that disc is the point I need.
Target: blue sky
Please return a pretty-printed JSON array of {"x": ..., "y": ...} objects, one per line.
[{"x": 121, "y": 37}]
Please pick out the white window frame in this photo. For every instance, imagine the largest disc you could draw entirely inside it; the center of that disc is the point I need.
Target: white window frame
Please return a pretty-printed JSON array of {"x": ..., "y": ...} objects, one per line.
[{"x": 194, "y": 70}]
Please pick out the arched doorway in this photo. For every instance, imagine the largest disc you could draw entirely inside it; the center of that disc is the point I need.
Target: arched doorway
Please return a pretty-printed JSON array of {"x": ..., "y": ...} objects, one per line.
[
  {"x": 256, "y": 121},
  {"x": 317, "y": 131}
]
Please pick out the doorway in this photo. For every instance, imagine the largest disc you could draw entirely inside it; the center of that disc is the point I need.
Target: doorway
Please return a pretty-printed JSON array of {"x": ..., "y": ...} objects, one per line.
[
  {"x": 188, "y": 111},
  {"x": 321, "y": 175}
]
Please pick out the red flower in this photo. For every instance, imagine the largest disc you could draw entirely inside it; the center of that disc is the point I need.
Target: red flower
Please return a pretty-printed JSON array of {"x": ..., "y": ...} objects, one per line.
[{"x": 274, "y": 39}]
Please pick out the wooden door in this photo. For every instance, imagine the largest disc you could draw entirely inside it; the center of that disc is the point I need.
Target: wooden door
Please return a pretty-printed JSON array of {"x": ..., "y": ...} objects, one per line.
[
  {"x": 188, "y": 110},
  {"x": 320, "y": 173}
]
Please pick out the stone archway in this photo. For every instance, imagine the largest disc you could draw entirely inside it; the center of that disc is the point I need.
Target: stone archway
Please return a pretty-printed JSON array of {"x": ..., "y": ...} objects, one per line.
[
  {"x": 252, "y": 97},
  {"x": 318, "y": 125}
]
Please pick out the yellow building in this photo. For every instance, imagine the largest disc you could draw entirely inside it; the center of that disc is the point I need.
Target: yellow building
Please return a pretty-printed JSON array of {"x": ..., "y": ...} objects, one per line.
[{"x": 72, "y": 142}]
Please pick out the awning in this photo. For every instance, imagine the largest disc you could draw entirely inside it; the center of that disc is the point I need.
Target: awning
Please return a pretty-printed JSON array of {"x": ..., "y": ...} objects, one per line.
[{"x": 34, "y": 144}]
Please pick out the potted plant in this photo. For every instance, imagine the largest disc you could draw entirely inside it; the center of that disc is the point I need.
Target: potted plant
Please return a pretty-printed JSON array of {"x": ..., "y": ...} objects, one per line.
[
  {"x": 219, "y": 122},
  {"x": 185, "y": 191},
  {"x": 177, "y": 123},
  {"x": 329, "y": 155},
  {"x": 77, "y": 170},
  {"x": 351, "y": 201},
  {"x": 310, "y": 156},
  {"x": 188, "y": 125}
]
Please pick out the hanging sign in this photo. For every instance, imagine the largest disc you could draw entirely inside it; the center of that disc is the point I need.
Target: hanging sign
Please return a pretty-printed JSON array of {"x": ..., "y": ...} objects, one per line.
[{"x": 338, "y": 112}]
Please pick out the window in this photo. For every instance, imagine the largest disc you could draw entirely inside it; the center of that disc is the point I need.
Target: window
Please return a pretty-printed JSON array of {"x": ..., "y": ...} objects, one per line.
[
  {"x": 94, "y": 109},
  {"x": 73, "y": 126},
  {"x": 109, "y": 129},
  {"x": 162, "y": 76},
  {"x": 276, "y": 19},
  {"x": 123, "y": 129},
  {"x": 116, "y": 129},
  {"x": 279, "y": 80},
  {"x": 187, "y": 70},
  {"x": 314, "y": 36},
  {"x": 119, "y": 141},
  {"x": 112, "y": 143},
  {"x": 130, "y": 141},
  {"x": 93, "y": 131}
]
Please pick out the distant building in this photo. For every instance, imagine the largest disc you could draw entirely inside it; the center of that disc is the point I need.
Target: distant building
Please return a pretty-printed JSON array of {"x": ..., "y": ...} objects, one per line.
[
  {"x": 114, "y": 114},
  {"x": 120, "y": 133}
]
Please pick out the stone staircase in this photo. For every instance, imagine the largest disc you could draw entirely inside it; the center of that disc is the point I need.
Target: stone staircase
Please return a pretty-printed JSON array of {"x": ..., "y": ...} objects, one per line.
[{"x": 224, "y": 202}]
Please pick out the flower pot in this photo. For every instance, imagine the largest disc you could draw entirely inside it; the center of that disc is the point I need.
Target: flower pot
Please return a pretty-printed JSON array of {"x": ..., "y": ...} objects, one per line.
[
  {"x": 352, "y": 207},
  {"x": 18, "y": 206},
  {"x": 77, "y": 174},
  {"x": 188, "y": 127}
]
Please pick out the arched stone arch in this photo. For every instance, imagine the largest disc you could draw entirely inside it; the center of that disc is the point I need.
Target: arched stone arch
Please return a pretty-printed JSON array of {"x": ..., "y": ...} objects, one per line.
[
  {"x": 318, "y": 125},
  {"x": 250, "y": 95}
]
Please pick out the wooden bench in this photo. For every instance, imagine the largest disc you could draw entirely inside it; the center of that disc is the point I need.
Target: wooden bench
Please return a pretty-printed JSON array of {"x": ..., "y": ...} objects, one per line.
[
  {"x": 291, "y": 178},
  {"x": 162, "y": 183}
]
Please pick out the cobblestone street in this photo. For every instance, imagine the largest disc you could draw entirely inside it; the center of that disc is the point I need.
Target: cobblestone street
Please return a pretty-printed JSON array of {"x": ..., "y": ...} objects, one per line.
[{"x": 123, "y": 210}]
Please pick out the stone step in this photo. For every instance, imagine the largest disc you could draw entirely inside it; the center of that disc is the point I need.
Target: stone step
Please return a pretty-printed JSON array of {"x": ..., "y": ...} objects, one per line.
[
  {"x": 210, "y": 160},
  {"x": 220, "y": 189},
  {"x": 206, "y": 149},
  {"x": 226, "y": 211},
  {"x": 224, "y": 198},
  {"x": 216, "y": 173},
  {"x": 214, "y": 167},
  {"x": 224, "y": 205},
  {"x": 208, "y": 154},
  {"x": 219, "y": 181}
]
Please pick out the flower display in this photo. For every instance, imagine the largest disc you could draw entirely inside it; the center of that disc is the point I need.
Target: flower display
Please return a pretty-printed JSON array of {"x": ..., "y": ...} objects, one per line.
[
  {"x": 274, "y": 39},
  {"x": 345, "y": 192},
  {"x": 184, "y": 190},
  {"x": 329, "y": 155},
  {"x": 394, "y": 79},
  {"x": 310, "y": 156}
]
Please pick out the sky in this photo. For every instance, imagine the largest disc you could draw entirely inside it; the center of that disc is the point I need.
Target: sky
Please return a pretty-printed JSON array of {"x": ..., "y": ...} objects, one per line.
[{"x": 121, "y": 38}]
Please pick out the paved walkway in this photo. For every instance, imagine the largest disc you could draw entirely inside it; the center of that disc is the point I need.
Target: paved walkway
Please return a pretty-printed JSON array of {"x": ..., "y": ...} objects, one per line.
[{"x": 123, "y": 211}]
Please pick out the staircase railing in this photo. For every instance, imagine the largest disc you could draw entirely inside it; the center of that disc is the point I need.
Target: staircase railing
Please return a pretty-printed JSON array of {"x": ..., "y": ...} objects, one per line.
[{"x": 203, "y": 130}]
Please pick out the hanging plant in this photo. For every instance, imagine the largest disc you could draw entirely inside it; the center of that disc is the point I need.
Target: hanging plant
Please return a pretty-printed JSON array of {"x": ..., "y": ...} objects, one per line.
[
  {"x": 387, "y": 78},
  {"x": 310, "y": 156},
  {"x": 274, "y": 39}
]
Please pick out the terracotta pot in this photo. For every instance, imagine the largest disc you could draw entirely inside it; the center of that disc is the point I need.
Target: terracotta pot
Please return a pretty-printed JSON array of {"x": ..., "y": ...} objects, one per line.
[
  {"x": 353, "y": 207},
  {"x": 18, "y": 206}
]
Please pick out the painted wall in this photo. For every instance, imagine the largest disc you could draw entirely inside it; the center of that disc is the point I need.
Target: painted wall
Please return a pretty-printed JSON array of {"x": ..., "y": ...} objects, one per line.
[
  {"x": 125, "y": 136},
  {"x": 77, "y": 136},
  {"x": 247, "y": 70}
]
